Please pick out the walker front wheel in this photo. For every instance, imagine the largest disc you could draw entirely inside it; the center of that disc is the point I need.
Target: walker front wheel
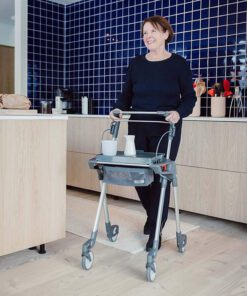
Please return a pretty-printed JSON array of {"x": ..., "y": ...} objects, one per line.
[
  {"x": 151, "y": 272},
  {"x": 87, "y": 260}
]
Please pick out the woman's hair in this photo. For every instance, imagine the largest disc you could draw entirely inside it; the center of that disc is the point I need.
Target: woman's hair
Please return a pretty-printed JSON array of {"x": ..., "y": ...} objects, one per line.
[{"x": 159, "y": 22}]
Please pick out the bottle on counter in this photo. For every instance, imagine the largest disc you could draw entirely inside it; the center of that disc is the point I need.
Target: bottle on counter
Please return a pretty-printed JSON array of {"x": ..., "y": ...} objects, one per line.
[
  {"x": 90, "y": 106},
  {"x": 84, "y": 105}
]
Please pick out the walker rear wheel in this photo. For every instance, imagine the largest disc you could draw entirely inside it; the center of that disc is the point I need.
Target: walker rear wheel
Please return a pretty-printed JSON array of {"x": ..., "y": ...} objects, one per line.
[
  {"x": 114, "y": 233},
  {"x": 181, "y": 242}
]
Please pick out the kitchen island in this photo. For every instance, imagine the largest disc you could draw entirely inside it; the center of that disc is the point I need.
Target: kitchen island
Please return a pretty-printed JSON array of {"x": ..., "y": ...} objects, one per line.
[
  {"x": 32, "y": 180},
  {"x": 211, "y": 163}
]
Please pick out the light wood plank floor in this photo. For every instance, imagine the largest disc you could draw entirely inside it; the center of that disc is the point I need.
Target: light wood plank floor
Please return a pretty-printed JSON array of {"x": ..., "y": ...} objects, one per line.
[{"x": 214, "y": 264}]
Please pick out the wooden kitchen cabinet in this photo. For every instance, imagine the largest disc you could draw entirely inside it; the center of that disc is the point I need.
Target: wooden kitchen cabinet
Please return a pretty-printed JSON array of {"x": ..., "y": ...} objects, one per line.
[
  {"x": 32, "y": 181},
  {"x": 84, "y": 141},
  {"x": 211, "y": 164}
]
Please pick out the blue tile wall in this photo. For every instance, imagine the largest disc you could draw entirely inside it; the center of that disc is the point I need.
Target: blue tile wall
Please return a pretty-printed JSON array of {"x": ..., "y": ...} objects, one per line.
[
  {"x": 102, "y": 36},
  {"x": 45, "y": 49}
]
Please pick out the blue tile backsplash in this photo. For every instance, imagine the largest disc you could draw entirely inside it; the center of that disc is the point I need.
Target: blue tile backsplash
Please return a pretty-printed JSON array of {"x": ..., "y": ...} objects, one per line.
[
  {"x": 45, "y": 49},
  {"x": 87, "y": 45}
]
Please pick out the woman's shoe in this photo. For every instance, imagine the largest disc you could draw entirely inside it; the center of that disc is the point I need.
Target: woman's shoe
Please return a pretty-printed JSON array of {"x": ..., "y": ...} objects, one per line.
[
  {"x": 146, "y": 228},
  {"x": 150, "y": 241}
]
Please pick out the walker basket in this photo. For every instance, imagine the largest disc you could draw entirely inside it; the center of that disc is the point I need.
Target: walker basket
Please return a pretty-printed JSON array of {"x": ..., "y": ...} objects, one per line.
[{"x": 127, "y": 176}]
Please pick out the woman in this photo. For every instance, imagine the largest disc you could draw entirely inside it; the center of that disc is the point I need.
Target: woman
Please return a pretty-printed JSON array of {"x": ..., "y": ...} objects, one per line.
[{"x": 156, "y": 81}]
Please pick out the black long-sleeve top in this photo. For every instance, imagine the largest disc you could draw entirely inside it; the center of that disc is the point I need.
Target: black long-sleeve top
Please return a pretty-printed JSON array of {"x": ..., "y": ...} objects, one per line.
[{"x": 158, "y": 86}]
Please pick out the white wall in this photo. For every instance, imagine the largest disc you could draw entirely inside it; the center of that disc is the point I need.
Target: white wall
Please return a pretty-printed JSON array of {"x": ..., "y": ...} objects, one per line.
[{"x": 7, "y": 34}]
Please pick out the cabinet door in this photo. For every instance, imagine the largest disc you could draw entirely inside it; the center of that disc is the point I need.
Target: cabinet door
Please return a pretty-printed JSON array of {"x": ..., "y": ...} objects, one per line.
[
  {"x": 32, "y": 183},
  {"x": 215, "y": 193}
]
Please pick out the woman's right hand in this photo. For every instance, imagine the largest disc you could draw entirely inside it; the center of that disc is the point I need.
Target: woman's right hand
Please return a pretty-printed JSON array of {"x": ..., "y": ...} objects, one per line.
[{"x": 116, "y": 114}]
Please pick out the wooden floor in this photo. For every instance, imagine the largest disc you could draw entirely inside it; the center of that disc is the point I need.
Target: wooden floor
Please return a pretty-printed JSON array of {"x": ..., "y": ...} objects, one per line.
[{"x": 214, "y": 263}]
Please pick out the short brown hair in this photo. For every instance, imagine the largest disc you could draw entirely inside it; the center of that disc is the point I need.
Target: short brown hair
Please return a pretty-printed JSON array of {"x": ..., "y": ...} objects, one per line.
[{"x": 159, "y": 22}]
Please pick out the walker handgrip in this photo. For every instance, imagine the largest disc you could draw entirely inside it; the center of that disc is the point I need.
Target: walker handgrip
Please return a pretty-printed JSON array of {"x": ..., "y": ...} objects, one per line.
[
  {"x": 117, "y": 113},
  {"x": 163, "y": 113}
]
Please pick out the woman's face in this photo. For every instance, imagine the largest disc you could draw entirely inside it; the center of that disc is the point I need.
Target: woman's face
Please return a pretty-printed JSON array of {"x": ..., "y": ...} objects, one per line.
[{"x": 154, "y": 38}]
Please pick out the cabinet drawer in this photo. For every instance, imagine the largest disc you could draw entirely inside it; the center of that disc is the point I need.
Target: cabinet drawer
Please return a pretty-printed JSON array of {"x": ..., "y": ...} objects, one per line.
[
  {"x": 78, "y": 172},
  {"x": 214, "y": 145},
  {"x": 215, "y": 193},
  {"x": 85, "y": 134}
]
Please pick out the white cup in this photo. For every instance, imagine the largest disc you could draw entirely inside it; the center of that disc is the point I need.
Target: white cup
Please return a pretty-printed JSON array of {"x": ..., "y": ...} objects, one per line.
[
  {"x": 55, "y": 111},
  {"x": 109, "y": 147}
]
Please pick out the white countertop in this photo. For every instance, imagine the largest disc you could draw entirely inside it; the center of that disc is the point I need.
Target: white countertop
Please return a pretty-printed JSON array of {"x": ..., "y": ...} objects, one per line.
[
  {"x": 66, "y": 116},
  {"x": 34, "y": 117},
  {"x": 220, "y": 119},
  {"x": 189, "y": 118}
]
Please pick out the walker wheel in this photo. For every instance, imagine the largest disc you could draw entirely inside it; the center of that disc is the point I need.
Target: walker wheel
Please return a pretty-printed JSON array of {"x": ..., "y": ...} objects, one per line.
[
  {"x": 181, "y": 249},
  {"x": 151, "y": 273},
  {"x": 87, "y": 260},
  {"x": 182, "y": 244},
  {"x": 115, "y": 231}
]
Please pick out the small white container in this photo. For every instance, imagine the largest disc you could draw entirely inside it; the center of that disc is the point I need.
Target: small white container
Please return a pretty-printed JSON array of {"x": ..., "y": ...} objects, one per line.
[
  {"x": 55, "y": 111},
  {"x": 58, "y": 104},
  {"x": 84, "y": 105},
  {"x": 130, "y": 149}
]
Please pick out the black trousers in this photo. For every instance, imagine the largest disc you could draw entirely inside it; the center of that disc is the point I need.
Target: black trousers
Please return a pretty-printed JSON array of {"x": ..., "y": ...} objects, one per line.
[{"x": 147, "y": 136}]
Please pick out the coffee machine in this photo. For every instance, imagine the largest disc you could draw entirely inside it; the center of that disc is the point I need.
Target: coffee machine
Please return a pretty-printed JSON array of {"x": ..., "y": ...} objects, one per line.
[{"x": 63, "y": 100}]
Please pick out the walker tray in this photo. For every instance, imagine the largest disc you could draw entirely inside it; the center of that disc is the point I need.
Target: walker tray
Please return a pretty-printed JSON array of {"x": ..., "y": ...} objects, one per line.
[{"x": 140, "y": 159}]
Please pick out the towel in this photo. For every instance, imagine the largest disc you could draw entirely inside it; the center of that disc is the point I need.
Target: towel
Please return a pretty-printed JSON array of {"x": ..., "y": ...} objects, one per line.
[{"x": 14, "y": 101}]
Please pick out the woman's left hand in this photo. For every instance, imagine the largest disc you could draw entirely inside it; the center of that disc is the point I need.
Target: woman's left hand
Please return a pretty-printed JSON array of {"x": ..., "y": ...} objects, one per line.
[{"x": 173, "y": 117}]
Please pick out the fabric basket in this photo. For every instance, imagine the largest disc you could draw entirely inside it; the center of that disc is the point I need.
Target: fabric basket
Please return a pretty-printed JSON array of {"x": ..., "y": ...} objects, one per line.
[{"x": 127, "y": 176}]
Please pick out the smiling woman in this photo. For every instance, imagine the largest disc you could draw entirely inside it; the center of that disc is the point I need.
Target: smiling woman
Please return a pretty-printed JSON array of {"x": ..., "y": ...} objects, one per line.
[{"x": 156, "y": 81}]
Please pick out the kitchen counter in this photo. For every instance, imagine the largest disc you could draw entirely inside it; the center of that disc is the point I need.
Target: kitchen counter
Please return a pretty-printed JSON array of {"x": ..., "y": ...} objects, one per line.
[
  {"x": 201, "y": 118},
  {"x": 34, "y": 117},
  {"x": 32, "y": 180}
]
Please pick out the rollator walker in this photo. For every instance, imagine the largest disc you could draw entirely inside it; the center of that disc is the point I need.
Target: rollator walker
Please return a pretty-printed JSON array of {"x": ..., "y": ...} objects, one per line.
[{"x": 134, "y": 171}]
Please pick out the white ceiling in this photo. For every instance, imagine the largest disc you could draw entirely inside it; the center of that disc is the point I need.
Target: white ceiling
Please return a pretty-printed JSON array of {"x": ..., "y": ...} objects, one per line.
[{"x": 7, "y": 9}]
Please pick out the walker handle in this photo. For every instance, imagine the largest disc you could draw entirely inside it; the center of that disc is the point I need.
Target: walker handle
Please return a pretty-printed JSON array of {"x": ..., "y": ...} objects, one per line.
[{"x": 161, "y": 113}]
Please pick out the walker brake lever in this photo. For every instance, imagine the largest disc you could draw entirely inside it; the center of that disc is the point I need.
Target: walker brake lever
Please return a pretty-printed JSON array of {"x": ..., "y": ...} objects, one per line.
[{"x": 114, "y": 129}]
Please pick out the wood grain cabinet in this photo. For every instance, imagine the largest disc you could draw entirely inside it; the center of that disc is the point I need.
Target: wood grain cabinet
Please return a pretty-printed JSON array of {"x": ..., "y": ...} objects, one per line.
[
  {"x": 211, "y": 164},
  {"x": 212, "y": 169},
  {"x": 84, "y": 141},
  {"x": 32, "y": 182}
]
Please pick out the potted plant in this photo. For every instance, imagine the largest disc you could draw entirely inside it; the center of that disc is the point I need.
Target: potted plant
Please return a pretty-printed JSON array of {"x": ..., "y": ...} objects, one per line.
[{"x": 218, "y": 94}]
